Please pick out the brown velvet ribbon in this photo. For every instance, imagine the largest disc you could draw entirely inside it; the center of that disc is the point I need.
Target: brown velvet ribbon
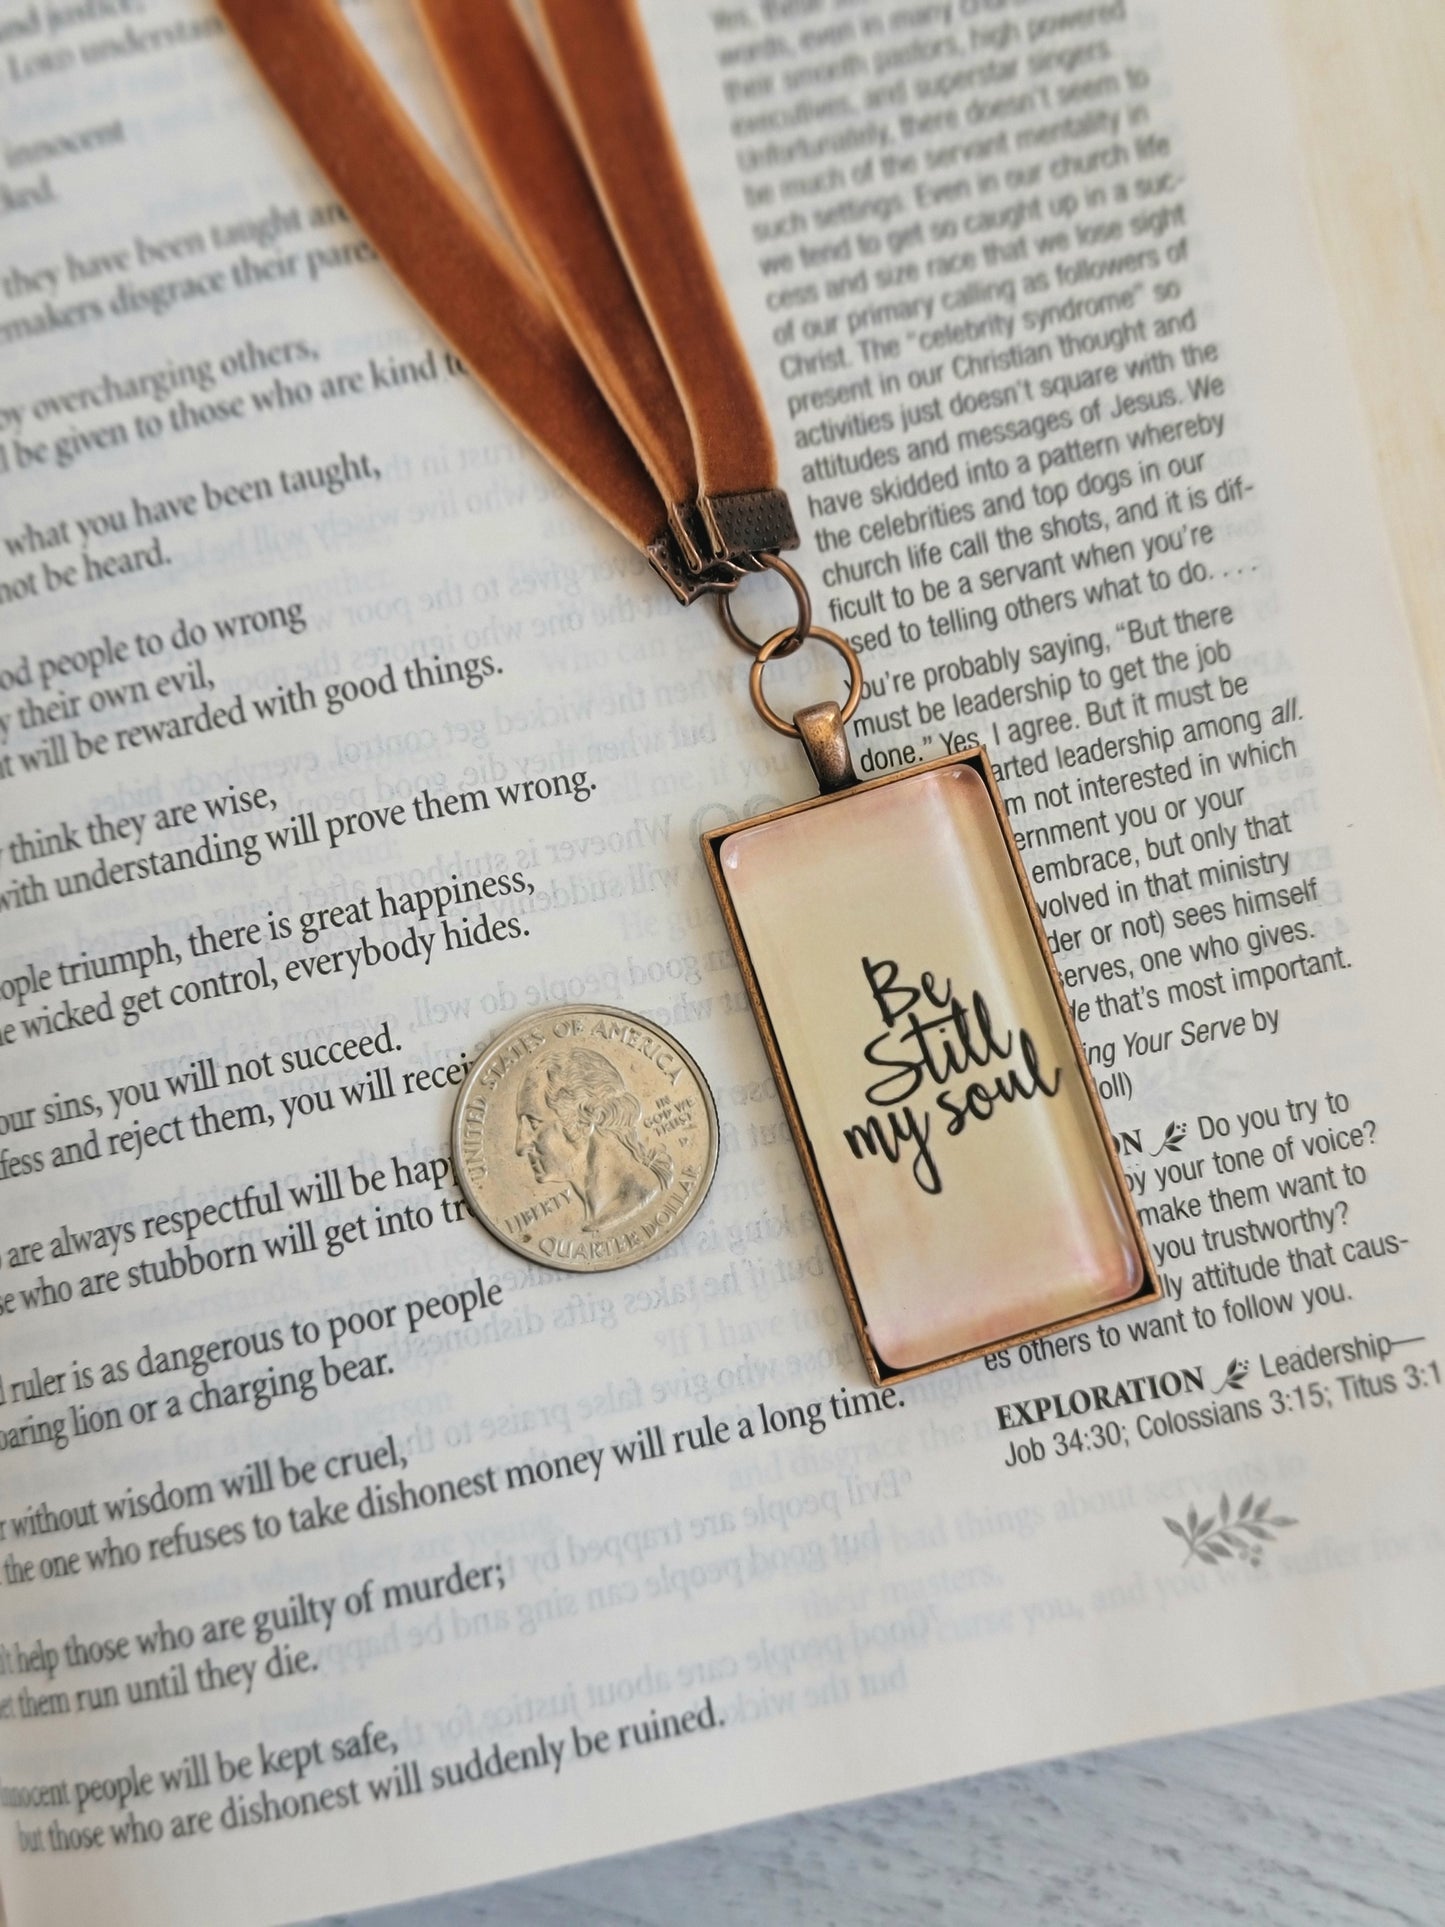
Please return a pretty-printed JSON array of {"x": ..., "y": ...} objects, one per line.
[
  {"x": 602, "y": 57},
  {"x": 521, "y": 138},
  {"x": 604, "y": 332}
]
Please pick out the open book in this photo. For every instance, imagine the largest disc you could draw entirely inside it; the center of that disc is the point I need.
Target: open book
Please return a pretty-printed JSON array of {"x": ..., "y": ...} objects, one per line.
[{"x": 345, "y": 1555}]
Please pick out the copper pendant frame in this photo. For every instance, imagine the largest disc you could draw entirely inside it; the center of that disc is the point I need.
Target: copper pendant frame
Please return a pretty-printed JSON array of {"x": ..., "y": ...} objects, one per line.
[{"x": 846, "y": 792}]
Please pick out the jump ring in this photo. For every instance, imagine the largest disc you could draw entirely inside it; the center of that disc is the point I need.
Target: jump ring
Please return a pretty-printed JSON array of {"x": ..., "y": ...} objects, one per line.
[
  {"x": 802, "y": 626},
  {"x": 779, "y": 645}
]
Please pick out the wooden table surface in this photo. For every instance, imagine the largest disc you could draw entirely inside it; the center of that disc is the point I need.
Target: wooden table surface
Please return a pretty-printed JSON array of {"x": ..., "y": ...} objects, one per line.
[
  {"x": 1324, "y": 1820},
  {"x": 1335, "y": 1817},
  {"x": 1329, "y": 1818}
]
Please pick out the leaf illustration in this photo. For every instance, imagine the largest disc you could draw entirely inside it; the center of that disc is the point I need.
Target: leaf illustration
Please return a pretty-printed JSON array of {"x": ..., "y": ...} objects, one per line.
[{"x": 1245, "y": 1534}]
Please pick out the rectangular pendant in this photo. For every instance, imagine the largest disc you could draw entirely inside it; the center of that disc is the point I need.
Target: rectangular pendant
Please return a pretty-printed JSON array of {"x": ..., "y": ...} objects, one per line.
[{"x": 952, "y": 1138}]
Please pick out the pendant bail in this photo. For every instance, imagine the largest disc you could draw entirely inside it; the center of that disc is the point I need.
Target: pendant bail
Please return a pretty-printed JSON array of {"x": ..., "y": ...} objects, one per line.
[{"x": 824, "y": 736}]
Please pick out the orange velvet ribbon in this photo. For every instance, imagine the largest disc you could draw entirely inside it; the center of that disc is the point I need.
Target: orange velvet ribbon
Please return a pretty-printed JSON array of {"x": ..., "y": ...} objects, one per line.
[{"x": 604, "y": 332}]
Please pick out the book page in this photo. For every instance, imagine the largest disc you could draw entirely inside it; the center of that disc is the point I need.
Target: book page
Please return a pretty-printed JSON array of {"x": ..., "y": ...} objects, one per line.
[{"x": 345, "y": 1555}]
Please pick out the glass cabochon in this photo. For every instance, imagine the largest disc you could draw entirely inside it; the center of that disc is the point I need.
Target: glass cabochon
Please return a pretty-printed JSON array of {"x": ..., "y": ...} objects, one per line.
[{"x": 940, "y": 1095}]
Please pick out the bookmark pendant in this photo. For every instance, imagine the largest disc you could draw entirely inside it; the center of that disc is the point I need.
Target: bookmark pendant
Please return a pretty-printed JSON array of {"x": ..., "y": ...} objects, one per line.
[{"x": 939, "y": 1097}]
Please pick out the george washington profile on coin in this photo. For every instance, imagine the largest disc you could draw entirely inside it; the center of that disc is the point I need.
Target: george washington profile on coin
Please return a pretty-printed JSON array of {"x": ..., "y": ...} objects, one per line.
[
  {"x": 584, "y": 1137},
  {"x": 577, "y": 1124}
]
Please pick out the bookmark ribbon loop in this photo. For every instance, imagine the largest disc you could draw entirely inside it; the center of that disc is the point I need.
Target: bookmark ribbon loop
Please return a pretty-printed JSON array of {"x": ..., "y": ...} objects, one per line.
[{"x": 598, "y": 323}]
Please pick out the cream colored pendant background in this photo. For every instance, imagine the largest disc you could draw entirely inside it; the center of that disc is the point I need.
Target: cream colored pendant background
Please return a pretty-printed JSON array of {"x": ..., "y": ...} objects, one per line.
[{"x": 973, "y": 1202}]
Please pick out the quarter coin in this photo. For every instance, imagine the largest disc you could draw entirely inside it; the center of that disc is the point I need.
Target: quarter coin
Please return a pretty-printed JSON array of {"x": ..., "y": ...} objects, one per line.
[{"x": 584, "y": 1138}]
